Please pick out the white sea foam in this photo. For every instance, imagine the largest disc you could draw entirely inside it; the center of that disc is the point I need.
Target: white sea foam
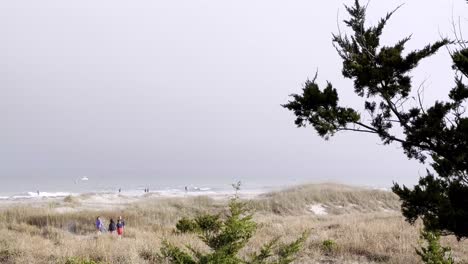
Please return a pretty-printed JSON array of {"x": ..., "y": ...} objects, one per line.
[
  {"x": 35, "y": 195},
  {"x": 114, "y": 196},
  {"x": 201, "y": 189},
  {"x": 49, "y": 194}
]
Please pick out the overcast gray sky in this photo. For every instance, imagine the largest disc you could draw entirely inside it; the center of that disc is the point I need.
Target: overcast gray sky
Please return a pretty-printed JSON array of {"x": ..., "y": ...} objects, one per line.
[{"x": 175, "y": 92}]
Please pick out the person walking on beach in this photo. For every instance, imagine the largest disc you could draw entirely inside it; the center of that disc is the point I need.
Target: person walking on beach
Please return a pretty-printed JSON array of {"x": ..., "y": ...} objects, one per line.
[
  {"x": 121, "y": 220},
  {"x": 120, "y": 227},
  {"x": 112, "y": 226},
  {"x": 99, "y": 225}
]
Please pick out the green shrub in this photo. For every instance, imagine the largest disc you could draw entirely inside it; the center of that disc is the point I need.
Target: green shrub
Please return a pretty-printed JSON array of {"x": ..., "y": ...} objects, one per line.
[
  {"x": 434, "y": 253},
  {"x": 186, "y": 225},
  {"x": 226, "y": 236},
  {"x": 74, "y": 260},
  {"x": 329, "y": 246}
]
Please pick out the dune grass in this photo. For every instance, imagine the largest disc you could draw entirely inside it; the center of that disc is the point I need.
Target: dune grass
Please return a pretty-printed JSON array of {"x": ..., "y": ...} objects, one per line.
[
  {"x": 362, "y": 226},
  {"x": 340, "y": 199}
]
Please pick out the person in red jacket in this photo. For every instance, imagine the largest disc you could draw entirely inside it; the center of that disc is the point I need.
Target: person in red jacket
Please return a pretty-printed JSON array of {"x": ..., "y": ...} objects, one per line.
[{"x": 120, "y": 226}]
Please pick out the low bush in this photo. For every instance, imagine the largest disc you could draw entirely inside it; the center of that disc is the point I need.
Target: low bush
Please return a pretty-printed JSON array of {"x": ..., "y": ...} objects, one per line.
[
  {"x": 329, "y": 246},
  {"x": 74, "y": 260},
  {"x": 434, "y": 252},
  {"x": 226, "y": 237},
  {"x": 186, "y": 225}
]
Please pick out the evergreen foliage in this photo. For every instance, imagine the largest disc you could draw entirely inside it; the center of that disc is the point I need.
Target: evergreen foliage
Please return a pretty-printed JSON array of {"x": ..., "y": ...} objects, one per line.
[
  {"x": 226, "y": 237},
  {"x": 80, "y": 261},
  {"x": 382, "y": 77},
  {"x": 434, "y": 253}
]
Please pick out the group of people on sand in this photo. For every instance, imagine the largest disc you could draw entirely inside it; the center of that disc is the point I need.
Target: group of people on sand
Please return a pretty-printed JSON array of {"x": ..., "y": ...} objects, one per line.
[{"x": 113, "y": 226}]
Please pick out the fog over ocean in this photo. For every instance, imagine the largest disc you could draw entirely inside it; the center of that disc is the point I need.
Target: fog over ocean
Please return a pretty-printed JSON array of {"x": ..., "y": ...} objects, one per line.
[{"x": 168, "y": 94}]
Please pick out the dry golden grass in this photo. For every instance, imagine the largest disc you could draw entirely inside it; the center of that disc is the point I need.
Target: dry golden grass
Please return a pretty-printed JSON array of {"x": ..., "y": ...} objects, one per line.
[
  {"x": 364, "y": 224},
  {"x": 340, "y": 199}
]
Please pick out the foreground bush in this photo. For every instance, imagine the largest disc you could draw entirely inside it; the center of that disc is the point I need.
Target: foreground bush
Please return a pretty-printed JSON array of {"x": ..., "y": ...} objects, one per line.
[
  {"x": 434, "y": 253},
  {"x": 226, "y": 237},
  {"x": 80, "y": 261},
  {"x": 328, "y": 246}
]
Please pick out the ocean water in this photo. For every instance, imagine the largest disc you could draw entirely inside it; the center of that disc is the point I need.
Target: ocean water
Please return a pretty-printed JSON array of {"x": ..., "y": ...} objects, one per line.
[
  {"x": 61, "y": 186},
  {"x": 177, "y": 191},
  {"x": 40, "y": 187}
]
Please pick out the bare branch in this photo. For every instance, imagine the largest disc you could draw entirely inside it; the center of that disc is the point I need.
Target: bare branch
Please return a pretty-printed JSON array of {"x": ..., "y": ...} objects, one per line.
[{"x": 421, "y": 91}]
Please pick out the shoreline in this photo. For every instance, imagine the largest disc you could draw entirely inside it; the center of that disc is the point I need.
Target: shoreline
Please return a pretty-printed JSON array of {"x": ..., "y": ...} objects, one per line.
[
  {"x": 174, "y": 191},
  {"x": 73, "y": 202}
]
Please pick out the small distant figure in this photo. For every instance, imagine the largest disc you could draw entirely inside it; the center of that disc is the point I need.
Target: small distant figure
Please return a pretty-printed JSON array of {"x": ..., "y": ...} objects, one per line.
[
  {"x": 186, "y": 189},
  {"x": 120, "y": 190},
  {"x": 120, "y": 227},
  {"x": 147, "y": 190},
  {"x": 112, "y": 226},
  {"x": 38, "y": 193},
  {"x": 99, "y": 225}
]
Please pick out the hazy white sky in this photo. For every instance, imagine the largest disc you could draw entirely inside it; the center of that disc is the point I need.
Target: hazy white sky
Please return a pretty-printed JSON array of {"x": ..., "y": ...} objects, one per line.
[{"x": 176, "y": 92}]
